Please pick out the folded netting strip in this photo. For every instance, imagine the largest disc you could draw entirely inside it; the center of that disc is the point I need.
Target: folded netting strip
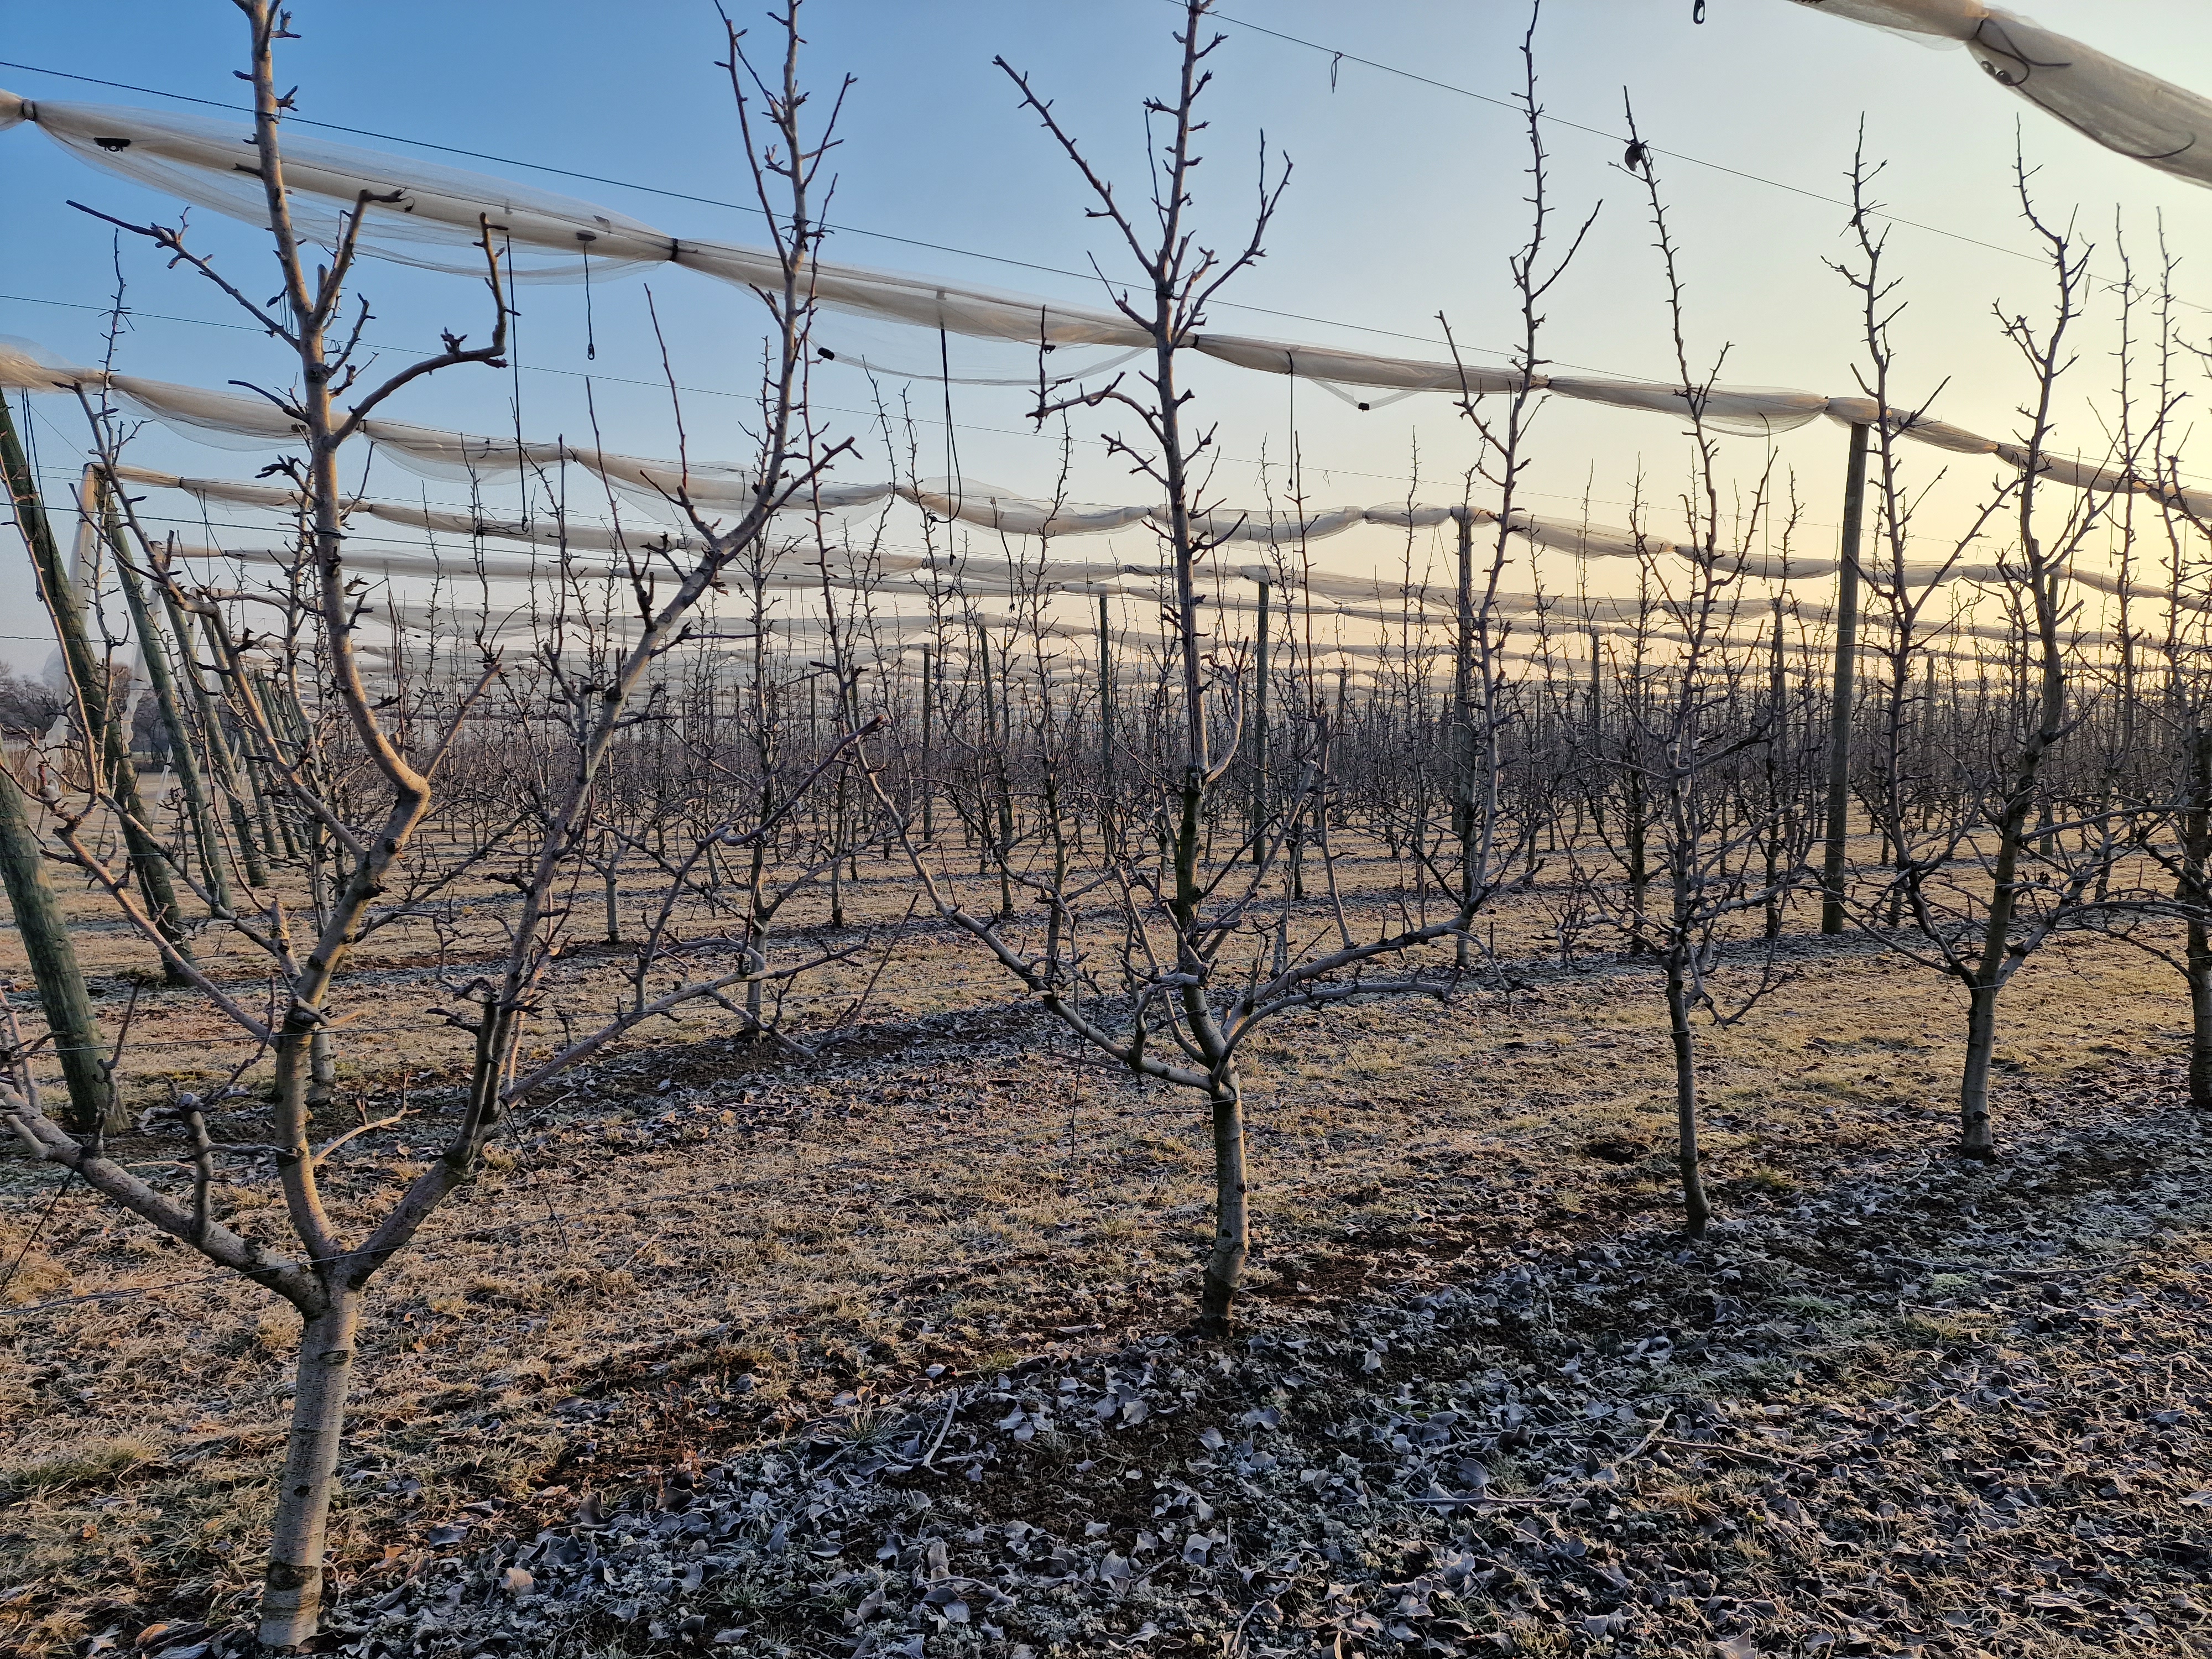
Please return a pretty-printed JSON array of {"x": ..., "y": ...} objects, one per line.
[
  {"x": 1537, "y": 626},
  {"x": 428, "y": 215},
  {"x": 238, "y": 416},
  {"x": 1372, "y": 598},
  {"x": 2124, "y": 109}
]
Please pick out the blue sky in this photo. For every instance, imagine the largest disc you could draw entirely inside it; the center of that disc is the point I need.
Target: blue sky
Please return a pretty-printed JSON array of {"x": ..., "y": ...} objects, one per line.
[{"x": 1404, "y": 200}]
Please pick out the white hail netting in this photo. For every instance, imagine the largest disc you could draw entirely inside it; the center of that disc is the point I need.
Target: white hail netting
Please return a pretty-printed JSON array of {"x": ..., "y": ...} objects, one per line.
[
  {"x": 884, "y": 647},
  {"x": 2138, "y": 115},
  {"x": 1419, "y": 604},
  {"x": 235, "y": 419},
  {"x": 215, "y": 164},
  {"x": 238, "y": 415}
]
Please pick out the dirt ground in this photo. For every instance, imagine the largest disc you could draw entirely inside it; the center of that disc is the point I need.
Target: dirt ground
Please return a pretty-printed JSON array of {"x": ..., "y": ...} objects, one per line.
[{"x": 700, "y": 1246}]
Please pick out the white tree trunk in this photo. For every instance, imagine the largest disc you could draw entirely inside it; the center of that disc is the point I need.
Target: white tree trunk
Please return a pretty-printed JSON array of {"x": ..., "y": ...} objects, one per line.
[
  {"x": 292, "y": 1593},
  {"x": 1233, "y": 1232}
]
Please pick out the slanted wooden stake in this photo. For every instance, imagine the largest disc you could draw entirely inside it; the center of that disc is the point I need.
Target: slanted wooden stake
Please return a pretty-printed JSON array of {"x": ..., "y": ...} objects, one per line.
[
  {"x": 107, "y": 747},
  {"x": 54, "y": 968}
]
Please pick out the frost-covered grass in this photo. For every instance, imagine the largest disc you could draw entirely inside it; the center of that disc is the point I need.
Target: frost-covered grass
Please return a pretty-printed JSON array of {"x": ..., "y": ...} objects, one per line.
[{"x": 701, "y": 1249}]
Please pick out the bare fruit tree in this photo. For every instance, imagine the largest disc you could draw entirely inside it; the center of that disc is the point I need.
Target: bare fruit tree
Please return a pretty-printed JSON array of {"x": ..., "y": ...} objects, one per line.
[
  {"x": 1204, "y": 949},
  {"x": 361, "y": 773},
  {"x": 2023, "y": 860},
  {"x": 1491, "y": 839},
  {"x": 1689, "y": 833}
]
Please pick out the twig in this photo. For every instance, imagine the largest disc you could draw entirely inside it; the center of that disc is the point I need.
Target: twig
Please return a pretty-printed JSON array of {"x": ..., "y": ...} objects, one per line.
[
  {"x": 60, "y": 1186},
  {"x": 1736, "y": 1451},
  {"x": 943, "y": 1429}
]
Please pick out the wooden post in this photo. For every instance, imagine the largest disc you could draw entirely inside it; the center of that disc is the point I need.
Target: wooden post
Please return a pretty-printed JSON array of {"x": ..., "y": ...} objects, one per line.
[
  {"x": 1840, "y": 713},
  {"x": 153, "y": 647},
  {"x": 1596, "y": 705},
  {"x": 1463, "y": 757},
  {"x": 990, "y": 694},
  {"x": 257, "y": 688},
  {"x": 1260, "y": 730},
  {"x": 1778, "y": 689},
  {"x": 239, "y": 692},
  {"x": 928, "y": 741},
  {"x": 220, "y": 761},
  {"x": 1105, "y": 726}
]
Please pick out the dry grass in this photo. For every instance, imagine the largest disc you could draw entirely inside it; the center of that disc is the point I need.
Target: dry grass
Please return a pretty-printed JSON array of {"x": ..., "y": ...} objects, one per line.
[{"x": 700, "y": 1244}]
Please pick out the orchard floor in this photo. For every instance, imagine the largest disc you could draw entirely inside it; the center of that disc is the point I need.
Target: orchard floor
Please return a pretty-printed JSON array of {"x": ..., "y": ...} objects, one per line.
[{"x": 703, "y": 1249}]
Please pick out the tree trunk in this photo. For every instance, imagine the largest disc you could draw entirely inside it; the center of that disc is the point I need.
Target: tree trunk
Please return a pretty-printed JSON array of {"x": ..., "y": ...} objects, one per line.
[
  {"x": 2200, "y": 1015},
  {"x": 1232, "y": 1229},
  {"x": 2196, "y": 890},
  {"x": 1990, "y": 973},
  {"x": 1639, "y": 864},
  {"x": 292, "y": 1592},
  {"x": 1696, "y": 1211},
  {"x": 1975, "y": 1140},
  {"x": 837, "y": 862}
]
